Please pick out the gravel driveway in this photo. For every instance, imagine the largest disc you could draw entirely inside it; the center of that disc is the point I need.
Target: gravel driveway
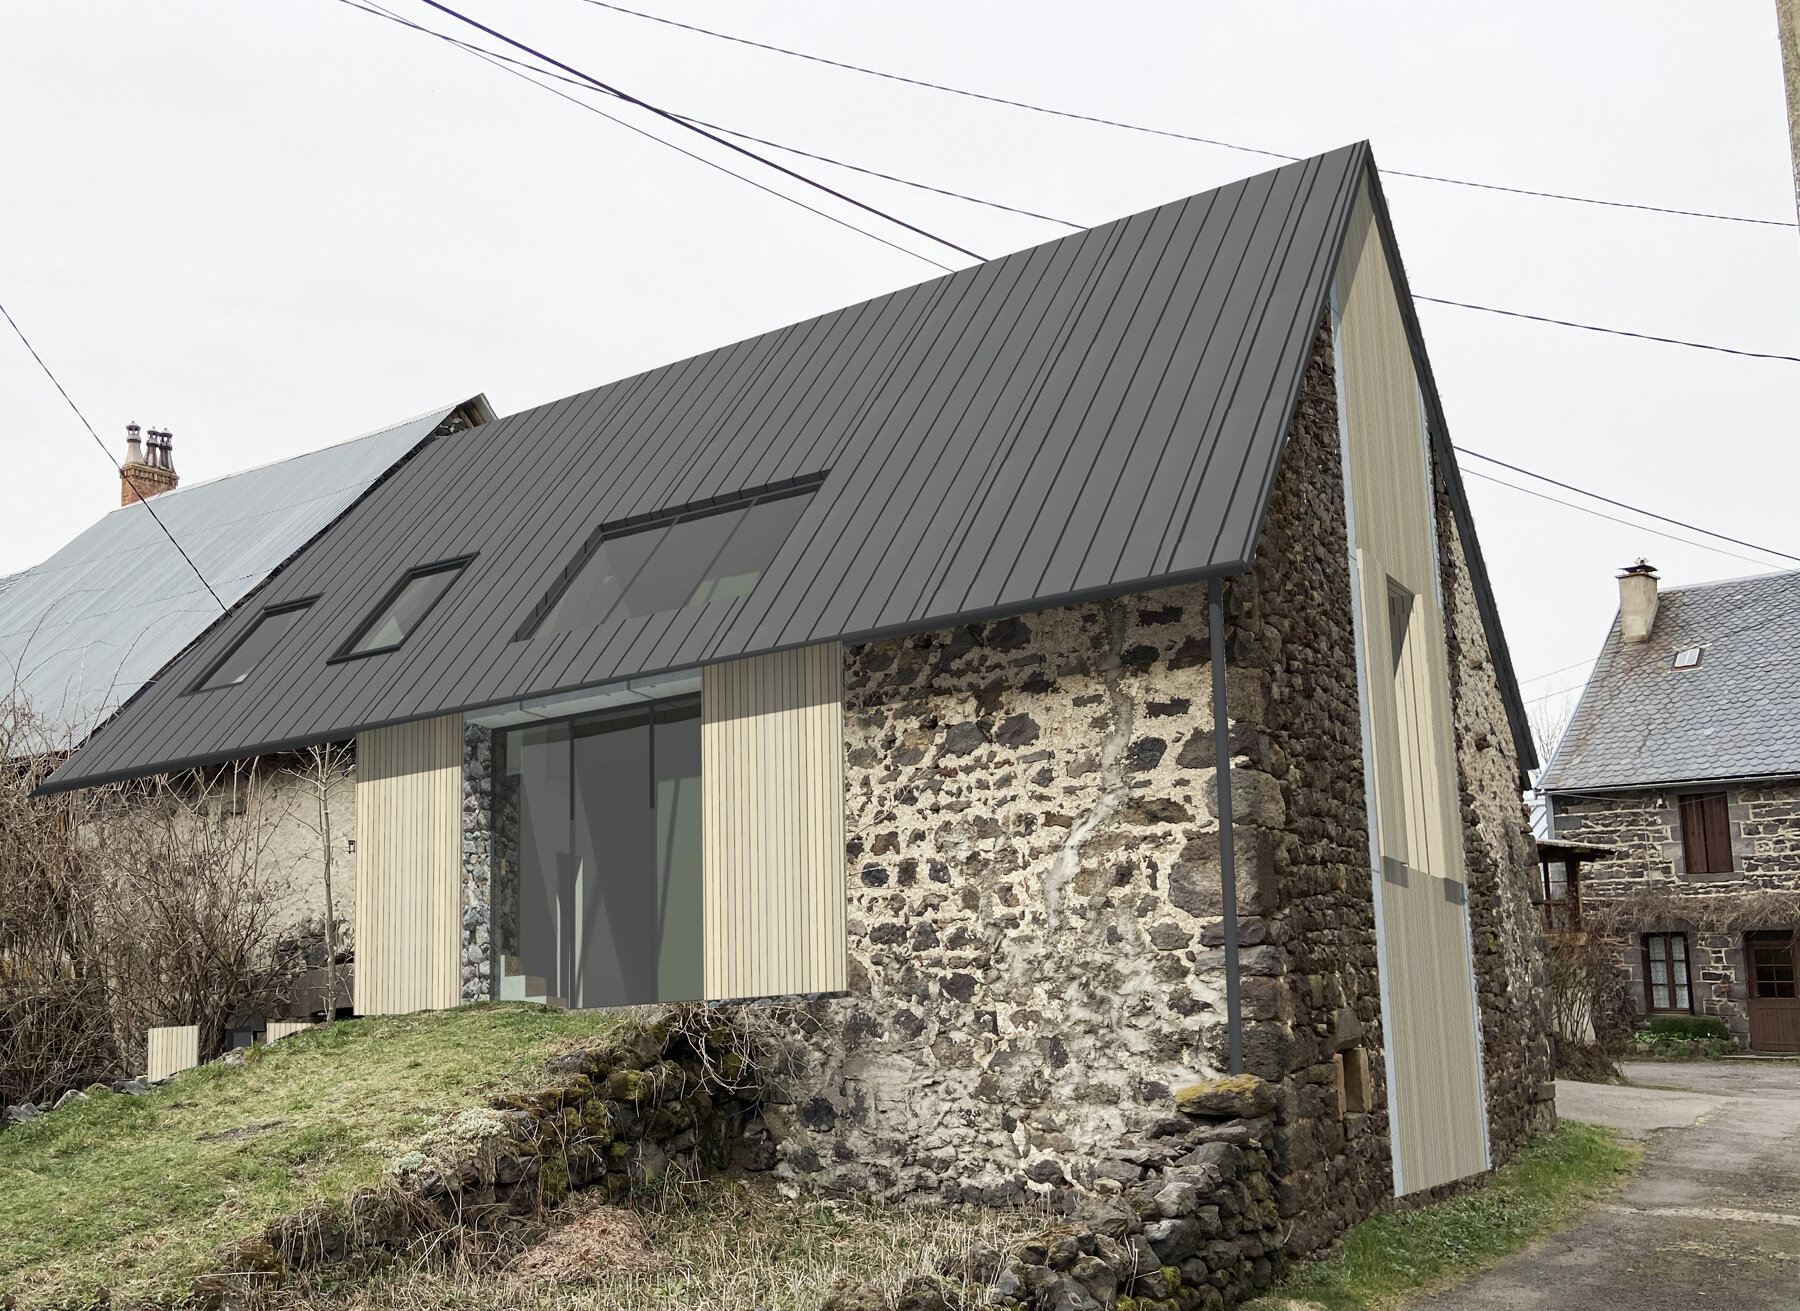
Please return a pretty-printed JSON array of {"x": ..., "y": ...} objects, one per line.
[{"x": 1711, "y": 1220}]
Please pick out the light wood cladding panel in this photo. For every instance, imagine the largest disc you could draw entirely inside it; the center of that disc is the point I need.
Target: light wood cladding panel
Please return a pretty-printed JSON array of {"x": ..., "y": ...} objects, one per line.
[
  {"x": 172, "y": 1050},
  {"x": 1436, "y": 1097},
  {"x": 409, "y": 867},
  {"x": 772, "y": 739}
]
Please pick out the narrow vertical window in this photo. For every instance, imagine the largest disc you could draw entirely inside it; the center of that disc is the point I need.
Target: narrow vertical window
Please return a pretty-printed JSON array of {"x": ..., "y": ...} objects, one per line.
[{"x": 1666, "y": 982}]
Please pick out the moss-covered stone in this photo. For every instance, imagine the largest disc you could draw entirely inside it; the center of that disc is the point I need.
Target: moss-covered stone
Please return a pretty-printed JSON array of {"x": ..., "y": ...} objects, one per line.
[{"x": 1236, "y": 1096}]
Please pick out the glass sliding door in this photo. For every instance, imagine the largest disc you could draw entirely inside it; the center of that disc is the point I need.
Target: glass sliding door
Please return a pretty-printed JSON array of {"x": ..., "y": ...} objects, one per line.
[{"x": 602, "y": 815}]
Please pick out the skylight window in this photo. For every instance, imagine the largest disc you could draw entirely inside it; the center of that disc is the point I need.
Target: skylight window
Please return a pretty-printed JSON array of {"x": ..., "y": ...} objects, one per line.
[
  {"x": 687, "y": 557},
  {"x": 1688, "y": 659},
  {"x": 404, "y": 609},
  {"x": 271, "y": 626}
]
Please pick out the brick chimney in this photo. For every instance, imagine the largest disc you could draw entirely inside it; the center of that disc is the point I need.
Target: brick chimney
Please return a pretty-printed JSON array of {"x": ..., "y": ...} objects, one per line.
[
  {"x": 1637, "y": 601},
  {"x": 149, "y": 468}
]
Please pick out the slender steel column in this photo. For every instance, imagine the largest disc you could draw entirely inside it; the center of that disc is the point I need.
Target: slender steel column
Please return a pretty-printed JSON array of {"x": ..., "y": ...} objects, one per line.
[{"x": 1234, "y": 1015}]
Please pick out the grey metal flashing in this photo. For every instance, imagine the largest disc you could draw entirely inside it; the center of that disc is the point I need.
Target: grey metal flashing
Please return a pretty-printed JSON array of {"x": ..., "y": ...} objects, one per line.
[{"x": 1098, "y": 415}]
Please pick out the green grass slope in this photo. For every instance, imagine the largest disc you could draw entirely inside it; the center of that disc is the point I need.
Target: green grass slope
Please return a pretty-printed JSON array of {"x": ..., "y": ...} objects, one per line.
[{"x": 135, "y": 1194}]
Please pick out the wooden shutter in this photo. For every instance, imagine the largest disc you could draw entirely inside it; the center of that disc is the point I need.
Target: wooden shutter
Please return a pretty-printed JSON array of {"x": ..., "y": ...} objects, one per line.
[
  {"x": 1706, "y": 833},
  {"x": 772, "y": 777},
  {"x": 409, "y": 867}
]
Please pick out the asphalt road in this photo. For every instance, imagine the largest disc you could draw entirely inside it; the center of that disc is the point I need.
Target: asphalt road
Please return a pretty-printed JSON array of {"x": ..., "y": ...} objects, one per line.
[{"x": 1712, "y": 1219}]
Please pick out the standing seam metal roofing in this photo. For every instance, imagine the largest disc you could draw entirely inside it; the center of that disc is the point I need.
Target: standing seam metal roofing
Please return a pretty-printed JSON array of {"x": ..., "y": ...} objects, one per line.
[
  {"x": 82, "y": 632},
  {"x": 1097, "y": 415}
]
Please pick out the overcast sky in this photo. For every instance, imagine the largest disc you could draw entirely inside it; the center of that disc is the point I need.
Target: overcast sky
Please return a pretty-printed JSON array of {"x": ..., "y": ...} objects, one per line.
[{"x": 272, "y": 226}]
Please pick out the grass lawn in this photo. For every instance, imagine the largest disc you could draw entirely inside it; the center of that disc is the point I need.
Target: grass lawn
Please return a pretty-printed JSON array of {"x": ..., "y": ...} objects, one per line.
[
  {"x": 1545, "y": 1186},
  {"x": 134, "y": 1194}
]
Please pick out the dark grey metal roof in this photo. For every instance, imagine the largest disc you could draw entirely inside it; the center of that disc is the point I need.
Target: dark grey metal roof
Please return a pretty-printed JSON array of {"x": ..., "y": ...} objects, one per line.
[
  {"x": 1642, "y": 722},
  {"x": 1098, "y": 415},
  {"x": 83, "y": 631}
]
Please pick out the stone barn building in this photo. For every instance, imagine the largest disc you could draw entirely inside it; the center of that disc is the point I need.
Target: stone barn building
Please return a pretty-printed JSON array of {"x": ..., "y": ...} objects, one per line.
[
  {"x": 1682, "y": 763},
  {"x": 1071, "y": 680}
]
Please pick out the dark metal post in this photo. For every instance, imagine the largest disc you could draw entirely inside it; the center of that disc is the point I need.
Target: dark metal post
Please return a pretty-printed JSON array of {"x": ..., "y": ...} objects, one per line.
[{"x": 1234, "y": 1018}]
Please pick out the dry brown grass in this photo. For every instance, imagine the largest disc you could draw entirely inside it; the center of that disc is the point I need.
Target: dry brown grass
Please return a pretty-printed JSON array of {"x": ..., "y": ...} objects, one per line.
[{"x": 721, "y": 1246}]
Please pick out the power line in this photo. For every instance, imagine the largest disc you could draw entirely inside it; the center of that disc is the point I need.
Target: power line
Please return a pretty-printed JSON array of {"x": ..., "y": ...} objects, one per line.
[
  {"x": 1164, "y": 132},
  {"x": 109, "y": 455},
  {"x": 1538, "y": 678},
  {"x": 506, "y": 64},
  {"x": 1635, "y": 509},
  {"x": 1657, "y": 532},
  {"x": 1616, "y": 332},
  {"x": 710, "y": 136}
]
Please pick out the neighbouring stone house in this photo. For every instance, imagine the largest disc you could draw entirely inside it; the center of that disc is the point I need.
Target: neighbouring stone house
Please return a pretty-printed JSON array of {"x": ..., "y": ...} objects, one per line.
[
  {"x": 100, "y": 620},
  {"x": 1682, "y": 761},
  {"x": 1071, "y": 685}
]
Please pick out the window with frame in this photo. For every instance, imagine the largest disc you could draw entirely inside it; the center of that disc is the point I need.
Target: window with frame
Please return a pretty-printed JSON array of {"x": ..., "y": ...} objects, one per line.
[
  {"x": 1771, "y": 964},
  {"x": 1705, "y": 833},
  {"x": 1666, "y": 984},
  {"x": 250, "y": 650},
  {"x": 684, "y": 557},
  {"x": 404, "y": 608}
]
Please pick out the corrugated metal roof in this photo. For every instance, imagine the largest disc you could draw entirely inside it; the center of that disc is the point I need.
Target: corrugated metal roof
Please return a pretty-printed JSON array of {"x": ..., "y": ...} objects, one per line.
[
  {"x": 1643, "y": 722},
  {"x": 1094, "y": 416},
  {"x": 82, "y": 632}
]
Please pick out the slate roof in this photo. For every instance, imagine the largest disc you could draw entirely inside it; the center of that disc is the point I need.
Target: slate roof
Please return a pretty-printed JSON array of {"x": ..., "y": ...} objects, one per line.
[
  {"x": 1641, "y": 721},
  {"x": 1095, "y": 416},
  {"x": 86, "y": 629}
]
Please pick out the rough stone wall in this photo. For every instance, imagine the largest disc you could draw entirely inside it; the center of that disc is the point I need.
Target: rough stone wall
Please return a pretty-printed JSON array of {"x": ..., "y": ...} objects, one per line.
[
  {"x": 1645, "y": 886},
  {"x": 477, "y": 863},
  {"x": 1511, "y": 972}
]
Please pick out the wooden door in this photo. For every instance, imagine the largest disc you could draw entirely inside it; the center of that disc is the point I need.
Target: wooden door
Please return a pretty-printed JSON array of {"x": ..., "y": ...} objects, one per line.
[{"x": 1774, "y": 1007}]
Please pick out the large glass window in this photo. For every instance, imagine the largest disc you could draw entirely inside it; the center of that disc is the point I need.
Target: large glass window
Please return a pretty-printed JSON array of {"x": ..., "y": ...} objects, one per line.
[
  {"x": 404, "y": 609},
  {"x": 597, "y": 891},
  {"x": 253, "y": 647},
  {"x": 687, "y": 558}
]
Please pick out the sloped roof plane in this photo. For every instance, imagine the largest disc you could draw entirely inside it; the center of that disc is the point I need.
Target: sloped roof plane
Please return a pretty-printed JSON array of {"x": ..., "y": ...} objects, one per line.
[
  {"x": 1097, "y": 415},
  {"x": 84, "y": 631},
  {"x": 1736, "y": 715}
]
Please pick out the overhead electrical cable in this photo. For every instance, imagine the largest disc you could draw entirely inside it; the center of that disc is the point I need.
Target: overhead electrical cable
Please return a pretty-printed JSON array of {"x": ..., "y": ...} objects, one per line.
[
  {"x": 1635, "y": 509},
  {"x": 1585, "y": 509},
  {"x": 695, "y": 128},
  {"x": 1164, "y": 132},
  {"x": 507, "y": 64},
  {"x": 105, "y": 450},
  {"x": 1616, "y": 332}
]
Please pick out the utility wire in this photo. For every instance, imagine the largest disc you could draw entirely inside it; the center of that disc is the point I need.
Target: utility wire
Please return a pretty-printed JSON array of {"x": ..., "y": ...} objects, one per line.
[
  {"x": 1635, "y": 509},
  {"x": 142, "y": 500},
  {"x": 1556, "y": 500},
  {"x": 1616, "y": 332},
  {"x": 1163, "y": 132},
  {"x": 710, "y": 136},
  {"x": 518, "y": 68}
]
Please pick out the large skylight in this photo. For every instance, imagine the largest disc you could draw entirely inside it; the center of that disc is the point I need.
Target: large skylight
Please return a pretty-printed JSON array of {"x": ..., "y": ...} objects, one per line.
[
  {"x": 686, "y": 558},
  {"x": 404, "y": 609},
  {"x": 251, "y": 649}
]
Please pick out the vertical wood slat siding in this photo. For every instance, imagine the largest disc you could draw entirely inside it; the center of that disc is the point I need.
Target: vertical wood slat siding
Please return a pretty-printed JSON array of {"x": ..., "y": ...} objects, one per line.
[
  {"x": 1437, "y": 1101},
  {"x": 279, "y": 1029},
  {"x": 409, "y": 867},
  {"x": 772, "y": 773},
  {"x": 173, "y": 1050}
]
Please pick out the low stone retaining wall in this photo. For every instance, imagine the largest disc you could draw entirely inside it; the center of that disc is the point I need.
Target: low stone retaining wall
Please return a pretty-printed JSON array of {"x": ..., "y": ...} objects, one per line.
[{"x": 668, "y": 1101}]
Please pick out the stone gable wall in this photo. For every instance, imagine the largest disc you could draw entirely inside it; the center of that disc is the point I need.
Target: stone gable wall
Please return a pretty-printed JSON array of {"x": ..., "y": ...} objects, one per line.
[{"x": 1511, "y": 973}]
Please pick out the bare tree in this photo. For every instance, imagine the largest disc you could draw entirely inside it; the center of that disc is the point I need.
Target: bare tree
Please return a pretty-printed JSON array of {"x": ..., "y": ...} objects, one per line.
[{"x": 318, "y": 770}]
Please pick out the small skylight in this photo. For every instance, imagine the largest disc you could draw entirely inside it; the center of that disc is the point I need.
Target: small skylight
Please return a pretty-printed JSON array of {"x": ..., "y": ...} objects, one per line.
[
  {"x": 404, "y": 608},
  {"x": 686, "y": 557},
  {"x": 1688, "y": 659},
  {"x": 249, "y": 651}
]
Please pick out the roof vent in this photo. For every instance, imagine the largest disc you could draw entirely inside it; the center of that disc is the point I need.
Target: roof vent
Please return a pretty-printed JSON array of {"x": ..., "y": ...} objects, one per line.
[{"x": 1688, "y": 659}]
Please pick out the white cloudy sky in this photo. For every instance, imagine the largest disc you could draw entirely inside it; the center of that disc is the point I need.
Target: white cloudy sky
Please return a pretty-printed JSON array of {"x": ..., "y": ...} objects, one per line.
[{"x": 270, "y": 226}]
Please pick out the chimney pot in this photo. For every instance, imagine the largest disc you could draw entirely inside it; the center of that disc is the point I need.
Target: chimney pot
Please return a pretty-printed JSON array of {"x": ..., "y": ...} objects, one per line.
[
  {"x": 134, "y": 447},
  {"x": 1637, "y": 601},
  {"x": 150, "y": 471}
]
